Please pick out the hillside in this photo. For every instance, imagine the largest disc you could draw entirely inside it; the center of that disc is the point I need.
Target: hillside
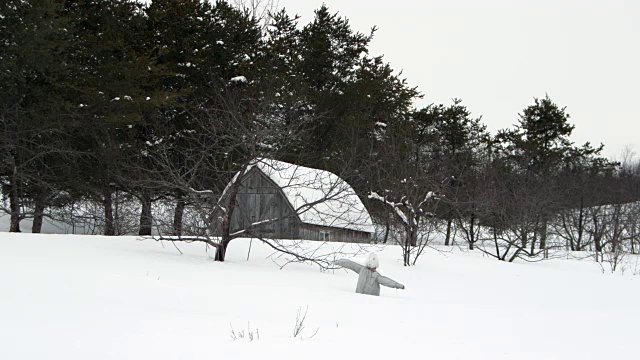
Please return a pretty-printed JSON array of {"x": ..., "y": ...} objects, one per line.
[{"x": 93, "y": 297}]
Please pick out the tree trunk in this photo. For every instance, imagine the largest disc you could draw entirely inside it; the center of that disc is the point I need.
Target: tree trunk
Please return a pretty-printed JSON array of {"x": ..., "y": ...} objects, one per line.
[
  {"x": 38, "y": 215},
  {"x": 515, "y": 254},
  {"x": 472, "y": 234},
  {"x": 533, "y": 240},
  {"x": 633, "y": 239},
  {"x": 495, "y": 241},
  {"x": 407, "y": 256},
  {"x": 524, "y": 238},
  {"x": 146, "y": 219},
  {"x": 408, "y": 243},
  {"x": 177, "y": 217},
  {"x": 221, "y": 251},
  {"x": 387, "y": 228},
  {"x": 414, "y": 236},
  {"x": 14, "y": 205},
  {"x": 596, "y": 235},
  {"x": 448, "y": 236},
  {"x": 571, "y": 240},
  {"x": 543, "y": 235},
  {"x": 580, "y": 225},
  {"x": 109, "y": 225},
  {"x": 407, "y": 252}
]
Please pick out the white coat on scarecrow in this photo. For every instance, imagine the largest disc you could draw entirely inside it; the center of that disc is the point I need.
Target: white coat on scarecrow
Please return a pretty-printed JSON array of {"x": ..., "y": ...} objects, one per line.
[{"x": 369, "y": 280}]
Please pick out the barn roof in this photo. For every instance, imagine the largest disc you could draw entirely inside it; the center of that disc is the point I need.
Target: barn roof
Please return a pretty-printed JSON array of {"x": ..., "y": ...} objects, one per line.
[{"x": 319, "y": 197}]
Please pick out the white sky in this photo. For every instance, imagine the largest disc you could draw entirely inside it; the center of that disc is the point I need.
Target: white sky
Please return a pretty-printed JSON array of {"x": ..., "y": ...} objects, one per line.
[{"x": 497, "y": 55}]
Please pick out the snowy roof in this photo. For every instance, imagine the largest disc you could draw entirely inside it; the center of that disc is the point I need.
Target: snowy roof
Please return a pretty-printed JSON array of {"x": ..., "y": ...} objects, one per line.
[{"x": 319, "y": 197}]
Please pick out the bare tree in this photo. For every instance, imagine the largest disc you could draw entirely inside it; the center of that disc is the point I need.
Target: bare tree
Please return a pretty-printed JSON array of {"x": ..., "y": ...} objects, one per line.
[
  {"x": 320, "y": 196},
  {"x": 260, "y": 10},
  {"x": 510, "y": 210},
  {"x": 229, "y": 137},
  {"x": 418, "y": 223}
]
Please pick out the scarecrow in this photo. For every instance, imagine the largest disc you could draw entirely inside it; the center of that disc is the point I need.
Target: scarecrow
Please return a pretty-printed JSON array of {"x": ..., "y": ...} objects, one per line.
[{"x": 369, "y": 279}]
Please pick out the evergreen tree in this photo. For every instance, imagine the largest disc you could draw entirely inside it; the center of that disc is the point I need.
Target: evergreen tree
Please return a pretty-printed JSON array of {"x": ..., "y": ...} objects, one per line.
[
  {"x": 202, "y": 47},
  {"x": 354, "y": 96},
  {"x": 118, "y": 96},
  {"x": 540, "y": 141},
  {"x": 535, "y": 154},
  {"x": 35, "y": 104},
  {"x": 330, "y": 52},
  {"x": 455, "y": 148}
]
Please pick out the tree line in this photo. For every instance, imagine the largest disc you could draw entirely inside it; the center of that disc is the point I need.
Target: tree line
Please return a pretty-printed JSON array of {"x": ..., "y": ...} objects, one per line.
[{"x": 111, "y": 102}]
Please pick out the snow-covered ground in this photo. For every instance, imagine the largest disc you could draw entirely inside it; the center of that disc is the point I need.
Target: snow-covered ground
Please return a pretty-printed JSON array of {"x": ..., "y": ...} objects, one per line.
[{"x": 91, "y": 297}]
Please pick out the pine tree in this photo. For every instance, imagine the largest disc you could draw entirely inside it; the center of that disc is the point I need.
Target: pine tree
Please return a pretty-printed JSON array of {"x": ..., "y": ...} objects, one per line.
[
  {"x": 35, "y": 103},
  {"x": 354, "y": 96},
  {"x": 202, "y": 47},
  {"x": 534, "y": 156},
  {"x": 540, "y": 141},
  {"x": 456, "y": 149},
  {"x": 116, "y": 99}
]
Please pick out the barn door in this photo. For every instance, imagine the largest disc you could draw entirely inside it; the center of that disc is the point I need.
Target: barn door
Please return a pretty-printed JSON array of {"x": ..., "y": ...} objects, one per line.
[
  {"x": 244, "y": 211},
  {"x": 264, "y": 206},
  {"x": 255, "y": 207}
]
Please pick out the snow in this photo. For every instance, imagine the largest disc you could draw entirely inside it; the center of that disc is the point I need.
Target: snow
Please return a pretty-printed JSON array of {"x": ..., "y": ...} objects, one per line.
[
  {"x": 92, "y": 297},
  {"x": 321, "y": 197},
  {"x": 430, "y": 195},
  {"x": 201, "y": 192},
  {"x": 252, "y": 225},
  {"x": 395, "y": 206},
  {"x": 241, "y": 79}
]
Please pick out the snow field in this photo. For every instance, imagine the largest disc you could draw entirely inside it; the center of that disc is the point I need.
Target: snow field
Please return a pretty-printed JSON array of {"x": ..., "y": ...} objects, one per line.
[{"x": 80, "y": 297}]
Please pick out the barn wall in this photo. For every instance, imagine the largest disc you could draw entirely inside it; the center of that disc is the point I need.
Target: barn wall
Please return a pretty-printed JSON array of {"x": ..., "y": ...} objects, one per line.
[
  {"x": 260, "y": 199},
  {"x": 316, "y": 232}
]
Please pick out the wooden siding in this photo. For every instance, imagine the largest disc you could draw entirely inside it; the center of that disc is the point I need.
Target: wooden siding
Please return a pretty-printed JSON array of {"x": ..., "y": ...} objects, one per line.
[
  {"x": 260, "y": 199},
  {"x": 327, "y": 233}
]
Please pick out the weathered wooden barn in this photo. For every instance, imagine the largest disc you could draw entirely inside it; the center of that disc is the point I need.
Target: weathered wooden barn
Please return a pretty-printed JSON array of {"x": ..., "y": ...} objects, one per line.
[{"x": 295, "y": 202}]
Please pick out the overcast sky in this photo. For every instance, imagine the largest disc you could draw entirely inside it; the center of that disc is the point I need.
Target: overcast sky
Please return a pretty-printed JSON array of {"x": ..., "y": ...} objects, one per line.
[{"x": 497, "y": 55}]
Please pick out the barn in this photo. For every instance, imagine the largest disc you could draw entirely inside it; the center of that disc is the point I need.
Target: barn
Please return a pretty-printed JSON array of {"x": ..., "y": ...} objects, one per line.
[{"x": 297, "y": 202}]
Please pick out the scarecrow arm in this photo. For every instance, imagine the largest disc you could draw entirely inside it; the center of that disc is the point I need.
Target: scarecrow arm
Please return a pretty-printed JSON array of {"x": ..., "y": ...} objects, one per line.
[
  {"x": 348, "y": 264},
  {"x": 385, "y": 281}
]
